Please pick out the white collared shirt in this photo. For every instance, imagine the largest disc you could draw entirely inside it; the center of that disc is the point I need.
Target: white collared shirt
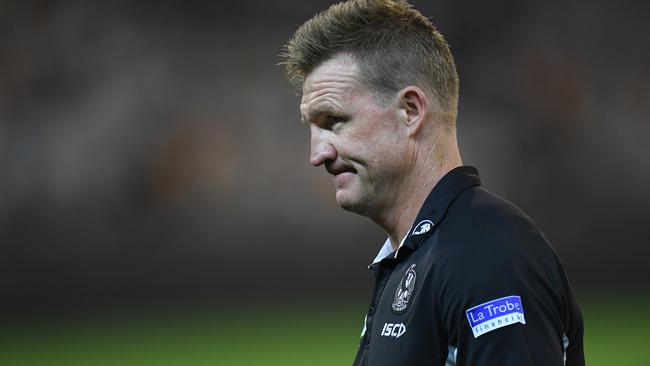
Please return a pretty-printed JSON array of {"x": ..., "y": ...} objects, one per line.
[{"x": 387, "y": 249}]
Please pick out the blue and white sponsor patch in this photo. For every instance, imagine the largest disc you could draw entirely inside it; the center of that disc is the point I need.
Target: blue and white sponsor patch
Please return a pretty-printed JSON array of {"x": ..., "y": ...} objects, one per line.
[{"x": 495, "y": 314}]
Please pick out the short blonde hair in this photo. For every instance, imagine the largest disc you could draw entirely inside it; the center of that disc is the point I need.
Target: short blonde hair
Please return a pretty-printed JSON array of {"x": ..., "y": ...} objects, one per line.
[{"x": 393, "y": 43}]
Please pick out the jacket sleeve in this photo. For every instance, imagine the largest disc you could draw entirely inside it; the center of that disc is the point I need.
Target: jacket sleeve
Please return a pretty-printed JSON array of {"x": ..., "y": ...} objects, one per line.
[{"x": 503, "y": 300}]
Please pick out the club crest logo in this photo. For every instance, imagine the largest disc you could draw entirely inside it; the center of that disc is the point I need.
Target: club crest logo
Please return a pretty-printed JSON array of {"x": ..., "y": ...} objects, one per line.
[
  {"x": 423, "y": 227},
  {"x": 404, "y": 291}
]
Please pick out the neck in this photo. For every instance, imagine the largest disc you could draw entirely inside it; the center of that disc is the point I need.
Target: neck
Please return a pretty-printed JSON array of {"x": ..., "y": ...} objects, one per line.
[{"x": 422, "y": 176}]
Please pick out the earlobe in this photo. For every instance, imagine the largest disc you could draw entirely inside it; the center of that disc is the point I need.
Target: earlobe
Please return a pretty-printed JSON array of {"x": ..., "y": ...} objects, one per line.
[{"x": 414, "y": 107}]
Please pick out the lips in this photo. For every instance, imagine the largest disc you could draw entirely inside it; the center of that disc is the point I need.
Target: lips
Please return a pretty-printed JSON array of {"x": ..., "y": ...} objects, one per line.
[
  {"x": 336, "y": 169},
  {"x": 343, "y": 174}
]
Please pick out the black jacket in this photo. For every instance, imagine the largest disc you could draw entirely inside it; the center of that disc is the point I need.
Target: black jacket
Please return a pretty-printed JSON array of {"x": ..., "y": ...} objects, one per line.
[{"x": 474, "y": 283}]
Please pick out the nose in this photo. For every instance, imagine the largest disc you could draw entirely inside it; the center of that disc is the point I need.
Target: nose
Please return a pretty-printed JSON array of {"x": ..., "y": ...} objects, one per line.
[{"x": 322, "y": 150}]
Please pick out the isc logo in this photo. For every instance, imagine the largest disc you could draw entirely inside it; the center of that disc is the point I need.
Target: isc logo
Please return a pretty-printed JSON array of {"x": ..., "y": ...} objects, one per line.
[{"x": 393, "y": 330}]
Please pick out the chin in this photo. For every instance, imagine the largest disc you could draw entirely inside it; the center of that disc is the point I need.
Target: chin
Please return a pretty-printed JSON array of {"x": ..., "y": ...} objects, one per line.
[
  {"x": 350, "y": 202},
  {"x": 344, "y": 200}
]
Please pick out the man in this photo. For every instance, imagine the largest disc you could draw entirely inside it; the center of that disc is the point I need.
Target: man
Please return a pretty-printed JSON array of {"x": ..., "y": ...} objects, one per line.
[{"x": 464, "y": 276}]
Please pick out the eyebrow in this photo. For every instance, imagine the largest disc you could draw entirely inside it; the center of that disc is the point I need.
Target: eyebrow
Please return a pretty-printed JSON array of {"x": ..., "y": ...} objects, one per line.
[{"x": 327, "y": 109}]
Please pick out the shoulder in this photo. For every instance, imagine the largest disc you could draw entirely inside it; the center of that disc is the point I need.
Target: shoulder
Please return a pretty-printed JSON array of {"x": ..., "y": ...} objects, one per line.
[
  {"x": 486, "y": 250},
  {"x": 484, "y": 212},
  {"x": 488, "y": 245},
  {"x": 480, "y": 223}
]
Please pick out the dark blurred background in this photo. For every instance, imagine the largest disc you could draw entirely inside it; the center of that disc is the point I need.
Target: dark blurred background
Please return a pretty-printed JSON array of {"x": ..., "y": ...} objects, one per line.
[{"x": 151, "y": 155}]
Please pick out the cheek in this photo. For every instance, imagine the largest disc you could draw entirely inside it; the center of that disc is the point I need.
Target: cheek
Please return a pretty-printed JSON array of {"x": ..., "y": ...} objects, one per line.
[
  {"x": 384, "y": 134},
  {"x": 375, "y": 136},
  {"x": 376, "y": 126}
]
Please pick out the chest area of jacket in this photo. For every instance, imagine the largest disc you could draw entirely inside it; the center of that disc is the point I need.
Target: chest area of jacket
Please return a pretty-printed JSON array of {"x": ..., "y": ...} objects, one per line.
[{"x": 403, "y": 329}]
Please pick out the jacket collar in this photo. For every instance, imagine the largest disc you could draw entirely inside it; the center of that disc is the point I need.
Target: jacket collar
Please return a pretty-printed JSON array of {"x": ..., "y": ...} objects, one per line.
[
  {"x": 433, "y": 209},
  {"x": 438, "y": 202}
]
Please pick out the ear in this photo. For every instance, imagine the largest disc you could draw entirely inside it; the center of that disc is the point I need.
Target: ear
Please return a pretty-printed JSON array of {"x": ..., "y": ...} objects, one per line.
[{"x": 414, "y": 108}]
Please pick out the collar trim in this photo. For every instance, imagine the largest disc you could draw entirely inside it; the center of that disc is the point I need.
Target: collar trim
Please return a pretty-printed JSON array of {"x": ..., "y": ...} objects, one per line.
[
  {"x": 433, "y": 209},
  {"x": 437, "y": 204},
  {"x": 387, "y": 250}
]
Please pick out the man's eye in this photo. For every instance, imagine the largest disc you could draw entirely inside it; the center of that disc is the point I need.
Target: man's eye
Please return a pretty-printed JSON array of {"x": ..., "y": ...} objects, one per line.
[{"x": 334, "y": 122}]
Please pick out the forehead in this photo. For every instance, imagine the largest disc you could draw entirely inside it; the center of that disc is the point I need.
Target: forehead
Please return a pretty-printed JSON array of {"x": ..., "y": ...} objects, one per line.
[
  {"x": 330, "y": 84},
  {"x": 341, "y": 69}
]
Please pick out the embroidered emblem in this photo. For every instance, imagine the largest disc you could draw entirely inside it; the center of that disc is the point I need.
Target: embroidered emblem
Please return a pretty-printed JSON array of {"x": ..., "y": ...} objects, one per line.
[
  {"x": 404, "y": 291},
  {"x": 495, "y": 314},
  {"x": 423, "y": 227}
]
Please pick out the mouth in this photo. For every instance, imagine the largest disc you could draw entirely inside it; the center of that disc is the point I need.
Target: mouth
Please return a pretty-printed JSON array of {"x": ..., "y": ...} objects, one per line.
[
  {"x": 340, "y": 169},
  {"x": 343, "y": 174}
]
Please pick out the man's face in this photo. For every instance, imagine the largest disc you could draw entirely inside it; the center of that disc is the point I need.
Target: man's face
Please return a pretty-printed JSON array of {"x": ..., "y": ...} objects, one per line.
[{"x": 358, "y": 140}]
